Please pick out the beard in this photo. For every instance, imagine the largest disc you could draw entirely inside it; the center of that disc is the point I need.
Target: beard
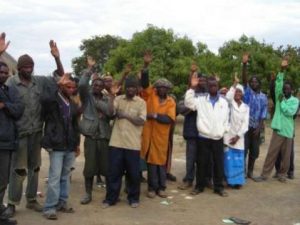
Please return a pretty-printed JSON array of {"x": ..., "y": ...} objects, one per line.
[{"x": 26, "y": 75}]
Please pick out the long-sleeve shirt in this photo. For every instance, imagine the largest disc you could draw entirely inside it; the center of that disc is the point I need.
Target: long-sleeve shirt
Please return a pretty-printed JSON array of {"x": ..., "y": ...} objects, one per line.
[
  {"x": 238, "y": 121},
  {"x": 285, "y": 109},
  {"x": 212, "y": 117}
]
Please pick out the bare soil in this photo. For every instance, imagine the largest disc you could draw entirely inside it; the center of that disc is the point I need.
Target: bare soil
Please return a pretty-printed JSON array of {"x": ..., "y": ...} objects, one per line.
[{"x": 268, "y": 203}]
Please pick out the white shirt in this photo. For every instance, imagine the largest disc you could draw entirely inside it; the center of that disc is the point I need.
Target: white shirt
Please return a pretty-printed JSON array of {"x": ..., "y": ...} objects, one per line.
[
  {"x": 238, "y": 121},
  {"x": 212, "y": 121}
]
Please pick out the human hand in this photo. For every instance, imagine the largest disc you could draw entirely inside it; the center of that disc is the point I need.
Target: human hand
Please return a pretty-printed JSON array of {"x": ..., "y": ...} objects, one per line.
[
  {"x": 194, "y": 81},
  {"x": 194, "y": 67},
  {"x": 2, "y": 105},
  {"x": 284, "y": 63},
  {"x": 147, "y": 58},
  {"x": 3, "y": 44},
  {"x": 233, "y": 140},
  {"x": 245, "y": 58},
  {"x": 54, "y": 49},
  {"x": 90, "y": 62}
]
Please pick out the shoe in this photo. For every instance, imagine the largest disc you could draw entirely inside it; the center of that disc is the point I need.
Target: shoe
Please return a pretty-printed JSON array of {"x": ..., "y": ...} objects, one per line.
[
  {"x": 185, "y": 185},
  {"x": 34, "y": 205},
  {"x": 275, "y": 175},
  {"x": 151, "y": 194},
  {"x": 143, "y": 179},
  {"x": 282, "y": 179},
  {"x": 196, "y": 191},
  {"x": 171, "y": 177},
  {"x": 250, "y": 175},
  {"x": 9, "y": 211},
  {"x": 236, "y": 186},
  {"x": 86, "y": 199},
  {"x": 63, "y": 207},
  {"x": 134, "y": 205},
  {"x": 8, "y": 222},
  {"x": 259, "y": 179},
  {"x": 50, "y": 215},
  {"x": 162, "y": 194},
  {"x": 105, "y": 205},
  {"x": 291, "y": 176},
  {"x": 222, "y": 193}
]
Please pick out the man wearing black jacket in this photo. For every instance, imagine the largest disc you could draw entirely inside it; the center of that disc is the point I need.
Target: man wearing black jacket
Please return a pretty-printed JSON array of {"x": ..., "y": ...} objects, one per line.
[{"x": 11, "y": 109}]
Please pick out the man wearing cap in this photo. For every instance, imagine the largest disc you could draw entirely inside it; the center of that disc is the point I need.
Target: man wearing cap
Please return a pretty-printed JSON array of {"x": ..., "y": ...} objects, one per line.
[
  {"x": 61, "y": 138},
  {"x": 161, "y": 113},
  {"x": 26, "y": 160},
  {"x": 125, "y": 145}
]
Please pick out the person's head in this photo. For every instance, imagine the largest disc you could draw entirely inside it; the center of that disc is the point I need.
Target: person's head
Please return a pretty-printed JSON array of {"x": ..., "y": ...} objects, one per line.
[
  {"x": 239, "y": 92},
  {"x": 163, "y": 87},
  {"x": 202, "y": 82},
  {"x": 25, "y": 66},
  {"x": 66, "y": 85},
  {"x": 108, "y": 82},
  {"x": 287, "y": 89},
  {"x": 131, "y": 87},
  {"x": 212, "y": 85},
  {"x": 254, "y": 83},
  {"x": 4, "y": 72},
  {"x": 97, "y": 86}
]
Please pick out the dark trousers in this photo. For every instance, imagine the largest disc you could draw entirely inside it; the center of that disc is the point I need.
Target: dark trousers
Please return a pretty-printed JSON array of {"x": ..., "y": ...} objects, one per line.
[
  {"x": 292, "y": 167},
  {"x": 252, "y": 143},
  {"x": 120, "y": 161},
  {"x": 208, "y": 150},
  {"x": 157, "y": 176},
  {"x": 5, "y": 161},
  {"x": 191, "y": 159}
]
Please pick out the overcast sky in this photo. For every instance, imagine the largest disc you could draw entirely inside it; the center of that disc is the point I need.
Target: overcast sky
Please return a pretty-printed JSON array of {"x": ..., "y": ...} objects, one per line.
[{"x": 30, "y": 24}]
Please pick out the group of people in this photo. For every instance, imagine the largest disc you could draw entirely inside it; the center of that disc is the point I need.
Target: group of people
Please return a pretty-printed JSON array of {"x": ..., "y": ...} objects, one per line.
[{"x": 128, "y": 127}]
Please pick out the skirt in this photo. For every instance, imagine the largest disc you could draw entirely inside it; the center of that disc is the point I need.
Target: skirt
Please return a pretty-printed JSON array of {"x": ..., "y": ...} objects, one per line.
[{"x": 234, "y": 166}]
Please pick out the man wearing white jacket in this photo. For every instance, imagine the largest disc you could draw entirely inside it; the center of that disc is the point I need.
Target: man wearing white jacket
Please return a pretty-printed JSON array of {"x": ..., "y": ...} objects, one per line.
[{"x": 212, "y": 123}]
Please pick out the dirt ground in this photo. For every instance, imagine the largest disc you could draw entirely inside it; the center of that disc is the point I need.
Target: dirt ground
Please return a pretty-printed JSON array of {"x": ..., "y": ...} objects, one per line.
[{"x": 267, "y": 203}]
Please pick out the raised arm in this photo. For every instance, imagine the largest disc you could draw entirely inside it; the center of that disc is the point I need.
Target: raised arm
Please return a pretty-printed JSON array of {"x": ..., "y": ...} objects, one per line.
[
  {"x": 190, "y": 101},
  {"x": 3, "y": 44},
  {"x": 244, "y": 69},
  {"x": 145, "y": 73},
  {"x": 55, "y": 53}
]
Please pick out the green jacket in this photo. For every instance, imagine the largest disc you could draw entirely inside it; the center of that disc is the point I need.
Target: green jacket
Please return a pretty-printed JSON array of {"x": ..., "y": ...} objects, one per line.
[{"x": 285, "y": 109}]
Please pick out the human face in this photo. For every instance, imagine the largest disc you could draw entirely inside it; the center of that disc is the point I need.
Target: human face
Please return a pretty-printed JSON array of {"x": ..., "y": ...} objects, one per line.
[
  {"x": 162, "y": 92},
  {"x": 26, "y": 71},
  {"x": 108, "y": 84},
  {"x": 287, "y": 90},
  {"x": 97, "y": 87},
  {"x": 131, "y": 91},
  {"x": 68, "y": 90},
  {"x": 202, "y": 83},
  {"x": 3, "y": 74},
  {"x": 254, "y": 84},
  {"x": 213, "y": 87},
  {"x": 238, "y": 95}
]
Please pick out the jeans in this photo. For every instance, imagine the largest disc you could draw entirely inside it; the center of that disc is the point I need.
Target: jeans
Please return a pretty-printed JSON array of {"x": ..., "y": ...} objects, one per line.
[
  {"x": 26, "y": 160},
  {"x": 61, "y": 163},
  {"x": 157, "y": 176},
  {"x": 191, "y": 159}
]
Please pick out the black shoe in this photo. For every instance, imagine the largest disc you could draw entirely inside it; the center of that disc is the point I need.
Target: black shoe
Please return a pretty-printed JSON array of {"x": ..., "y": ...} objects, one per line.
[
  {"x": 9, "y": 211},
  {"x": 8, "y": 222},
  {"x": 291, "y": 176},
  {"x": 222, "y": 193},
  {"x": 86, "y": 199},
  {"x": 196, "y": 191},
  {"x": 259, "y": 179},
  {"x": 171, "y": 177}
]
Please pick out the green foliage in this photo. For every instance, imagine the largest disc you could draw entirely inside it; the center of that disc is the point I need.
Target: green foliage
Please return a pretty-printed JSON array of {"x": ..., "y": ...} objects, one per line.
[{"x": 173, "y": 56}]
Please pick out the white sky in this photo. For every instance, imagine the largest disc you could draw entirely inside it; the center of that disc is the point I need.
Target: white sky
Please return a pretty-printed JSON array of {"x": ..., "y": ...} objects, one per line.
[{"x": 30, "y": 24}]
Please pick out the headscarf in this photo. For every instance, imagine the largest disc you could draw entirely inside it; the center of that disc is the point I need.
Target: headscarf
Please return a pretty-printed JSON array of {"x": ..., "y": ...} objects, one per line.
[{"x": 163, "y": 82}]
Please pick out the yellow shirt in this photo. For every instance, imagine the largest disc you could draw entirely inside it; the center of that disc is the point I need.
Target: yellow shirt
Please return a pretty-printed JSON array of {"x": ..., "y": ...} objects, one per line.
[{"x": 125, "y": 134}]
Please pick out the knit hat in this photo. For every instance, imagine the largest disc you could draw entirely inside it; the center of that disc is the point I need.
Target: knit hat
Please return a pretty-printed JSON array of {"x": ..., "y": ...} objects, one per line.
[
  {"x": 25, "y": 60},
  {"x": 163, "y": 82},
  {"x": 131, "y": 82},
  {"x": 240, "y": 87}
]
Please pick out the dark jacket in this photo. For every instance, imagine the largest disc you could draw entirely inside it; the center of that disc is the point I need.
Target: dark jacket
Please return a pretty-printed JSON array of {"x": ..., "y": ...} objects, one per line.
[
  {"x": 11, "y": 112},
  {"x": 57, "y": 135}
]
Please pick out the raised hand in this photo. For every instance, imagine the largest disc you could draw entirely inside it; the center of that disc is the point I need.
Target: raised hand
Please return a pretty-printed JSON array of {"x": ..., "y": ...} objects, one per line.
[
  {"x": 128, "y": 69},
  {"x": 3, "y": 44},
  {"x": 91, "y": 62},
  {"x": 147, "y": 58},
  {"x": 115, "y": 89},
  {"x": 284, "y": 63},
  {"x": 194, "y": 80},
  {"x": 194, "y": 67},
  {"x": 245, "y": 58},
  {"x": 236, "y": 79},
  {"x": 54, "y": 49}
]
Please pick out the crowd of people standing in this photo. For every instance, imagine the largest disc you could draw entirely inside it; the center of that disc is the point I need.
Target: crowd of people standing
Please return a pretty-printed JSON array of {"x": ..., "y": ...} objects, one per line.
[{"x": 128, "y": 126}]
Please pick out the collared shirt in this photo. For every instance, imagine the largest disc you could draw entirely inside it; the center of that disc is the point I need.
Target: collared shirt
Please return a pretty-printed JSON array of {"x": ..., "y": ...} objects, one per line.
[
  {"x": 258, "y": 104},
  {"x": 125, "y": 134},
  {"x": 31, "y": 120},
  {"x": 213, "y": 99}
]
